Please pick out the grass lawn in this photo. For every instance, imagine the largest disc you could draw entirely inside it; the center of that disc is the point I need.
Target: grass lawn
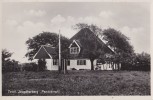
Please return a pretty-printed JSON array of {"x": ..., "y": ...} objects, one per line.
[{"x": 76, "y": 83}]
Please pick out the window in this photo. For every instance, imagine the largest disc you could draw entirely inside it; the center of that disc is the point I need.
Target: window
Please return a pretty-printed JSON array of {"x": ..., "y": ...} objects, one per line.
[
  {"x": 55, "y": 61},
  {"x": 81, "y": 62},
  {"x": 74, "y": 50},
  {"x": 68, "y": 62}
]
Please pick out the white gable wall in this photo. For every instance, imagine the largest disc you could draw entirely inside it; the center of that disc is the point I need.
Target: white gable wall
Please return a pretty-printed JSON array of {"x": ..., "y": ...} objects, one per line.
[{"x": 50, "y": 66}]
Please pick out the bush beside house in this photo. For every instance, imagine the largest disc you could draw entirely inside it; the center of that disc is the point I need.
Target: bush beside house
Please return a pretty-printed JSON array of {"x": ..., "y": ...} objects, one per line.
[
  {"x": 29, "y": 67},
  {"x": 139, "y": 62}
]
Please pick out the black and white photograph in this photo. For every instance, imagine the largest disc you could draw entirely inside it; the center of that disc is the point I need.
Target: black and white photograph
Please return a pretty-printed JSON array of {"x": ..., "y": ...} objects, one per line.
[{"x": 76, "y": 49}]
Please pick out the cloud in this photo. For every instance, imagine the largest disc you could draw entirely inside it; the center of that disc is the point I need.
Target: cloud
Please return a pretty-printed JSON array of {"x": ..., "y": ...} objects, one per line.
[
  {"x": 38, "y": 13},
  {"x": 89, "y": 20},
  {"x": 57, "y": 19},
  {"x": 16, "y": 33},
  {"x": 138, "y": 38},
  {"x": 65, "y": 23},
  {"x": 137, "y": 35},
  {"x": 106, "y": 14},
  {"x": 15, "y": 37},
  {"x": 29, "y": 28}
]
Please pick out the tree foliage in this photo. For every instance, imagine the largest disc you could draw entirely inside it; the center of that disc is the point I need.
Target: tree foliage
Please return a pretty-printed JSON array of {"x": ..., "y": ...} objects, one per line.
[
  {"x": 6, "y": 55},
  {"x": 9, "y": 65},
  {"x": 114, "y": 39},
  {"x": 93, "y": 49},
  {"x": 139, "y": 61},
  {"x": 142, "y": 61},
  {"x": 119, "y": 43},
  {"x": 94, "y": 28},
  {"x": 143, "y": 58},
  {"x": 32, "y": 66},
  {"x": 44, "y": 38}
]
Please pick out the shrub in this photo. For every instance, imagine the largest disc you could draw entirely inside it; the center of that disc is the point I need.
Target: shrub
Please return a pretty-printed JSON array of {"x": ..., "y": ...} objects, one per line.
[
  {"x": 42, "y": 64},
  {"x": 73, "y": 69},
  {"x": 141, "y": 62},
  {"x": 10, "y": 66},
  {"x": 29, "y": 67}
]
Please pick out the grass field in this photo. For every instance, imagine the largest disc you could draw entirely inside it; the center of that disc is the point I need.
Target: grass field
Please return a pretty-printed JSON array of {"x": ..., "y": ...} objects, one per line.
[{"x": 76, "y": 83}]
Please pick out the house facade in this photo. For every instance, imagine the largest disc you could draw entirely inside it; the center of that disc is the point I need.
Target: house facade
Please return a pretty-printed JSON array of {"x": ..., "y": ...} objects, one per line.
[{"x": 78, "y": 59}]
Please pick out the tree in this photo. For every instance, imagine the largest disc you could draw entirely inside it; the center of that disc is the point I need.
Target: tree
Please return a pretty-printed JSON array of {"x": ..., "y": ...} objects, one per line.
[
  {"x": 94, "y": 48},
  {"x": 142, "y": 61},
  {"x": 5, "y": 56},
  {"x": 94, "y": 28},
  {"x": 120, "y": 44},
  {"x": 7, "y": 63},
  {"x": 44, "y": 38},
  {"x": 138, "y": 61},
  {"x": 114, "y": 39},
  {"x": 91, "y": 51}
]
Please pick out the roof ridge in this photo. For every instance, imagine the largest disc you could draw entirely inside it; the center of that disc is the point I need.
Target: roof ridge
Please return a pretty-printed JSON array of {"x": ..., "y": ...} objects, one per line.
[{"x": 48, "y": 46}]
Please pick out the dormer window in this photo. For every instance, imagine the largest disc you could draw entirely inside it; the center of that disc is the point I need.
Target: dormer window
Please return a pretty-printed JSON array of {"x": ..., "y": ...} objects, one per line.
[
  {"x": 74, "y": 47},
  {"x": 74, "y": 50}
]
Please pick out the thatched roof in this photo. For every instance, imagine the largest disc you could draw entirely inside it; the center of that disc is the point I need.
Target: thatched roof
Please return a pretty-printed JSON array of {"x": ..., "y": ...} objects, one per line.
[
  {"x": 48, "y": 52},
  {"x": 45, "y": 52},
  {"x": 88, "y": 34}
]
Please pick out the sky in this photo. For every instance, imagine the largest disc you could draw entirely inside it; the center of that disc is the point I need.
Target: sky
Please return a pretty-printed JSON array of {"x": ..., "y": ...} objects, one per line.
[{"x": 21, "y": 21}]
